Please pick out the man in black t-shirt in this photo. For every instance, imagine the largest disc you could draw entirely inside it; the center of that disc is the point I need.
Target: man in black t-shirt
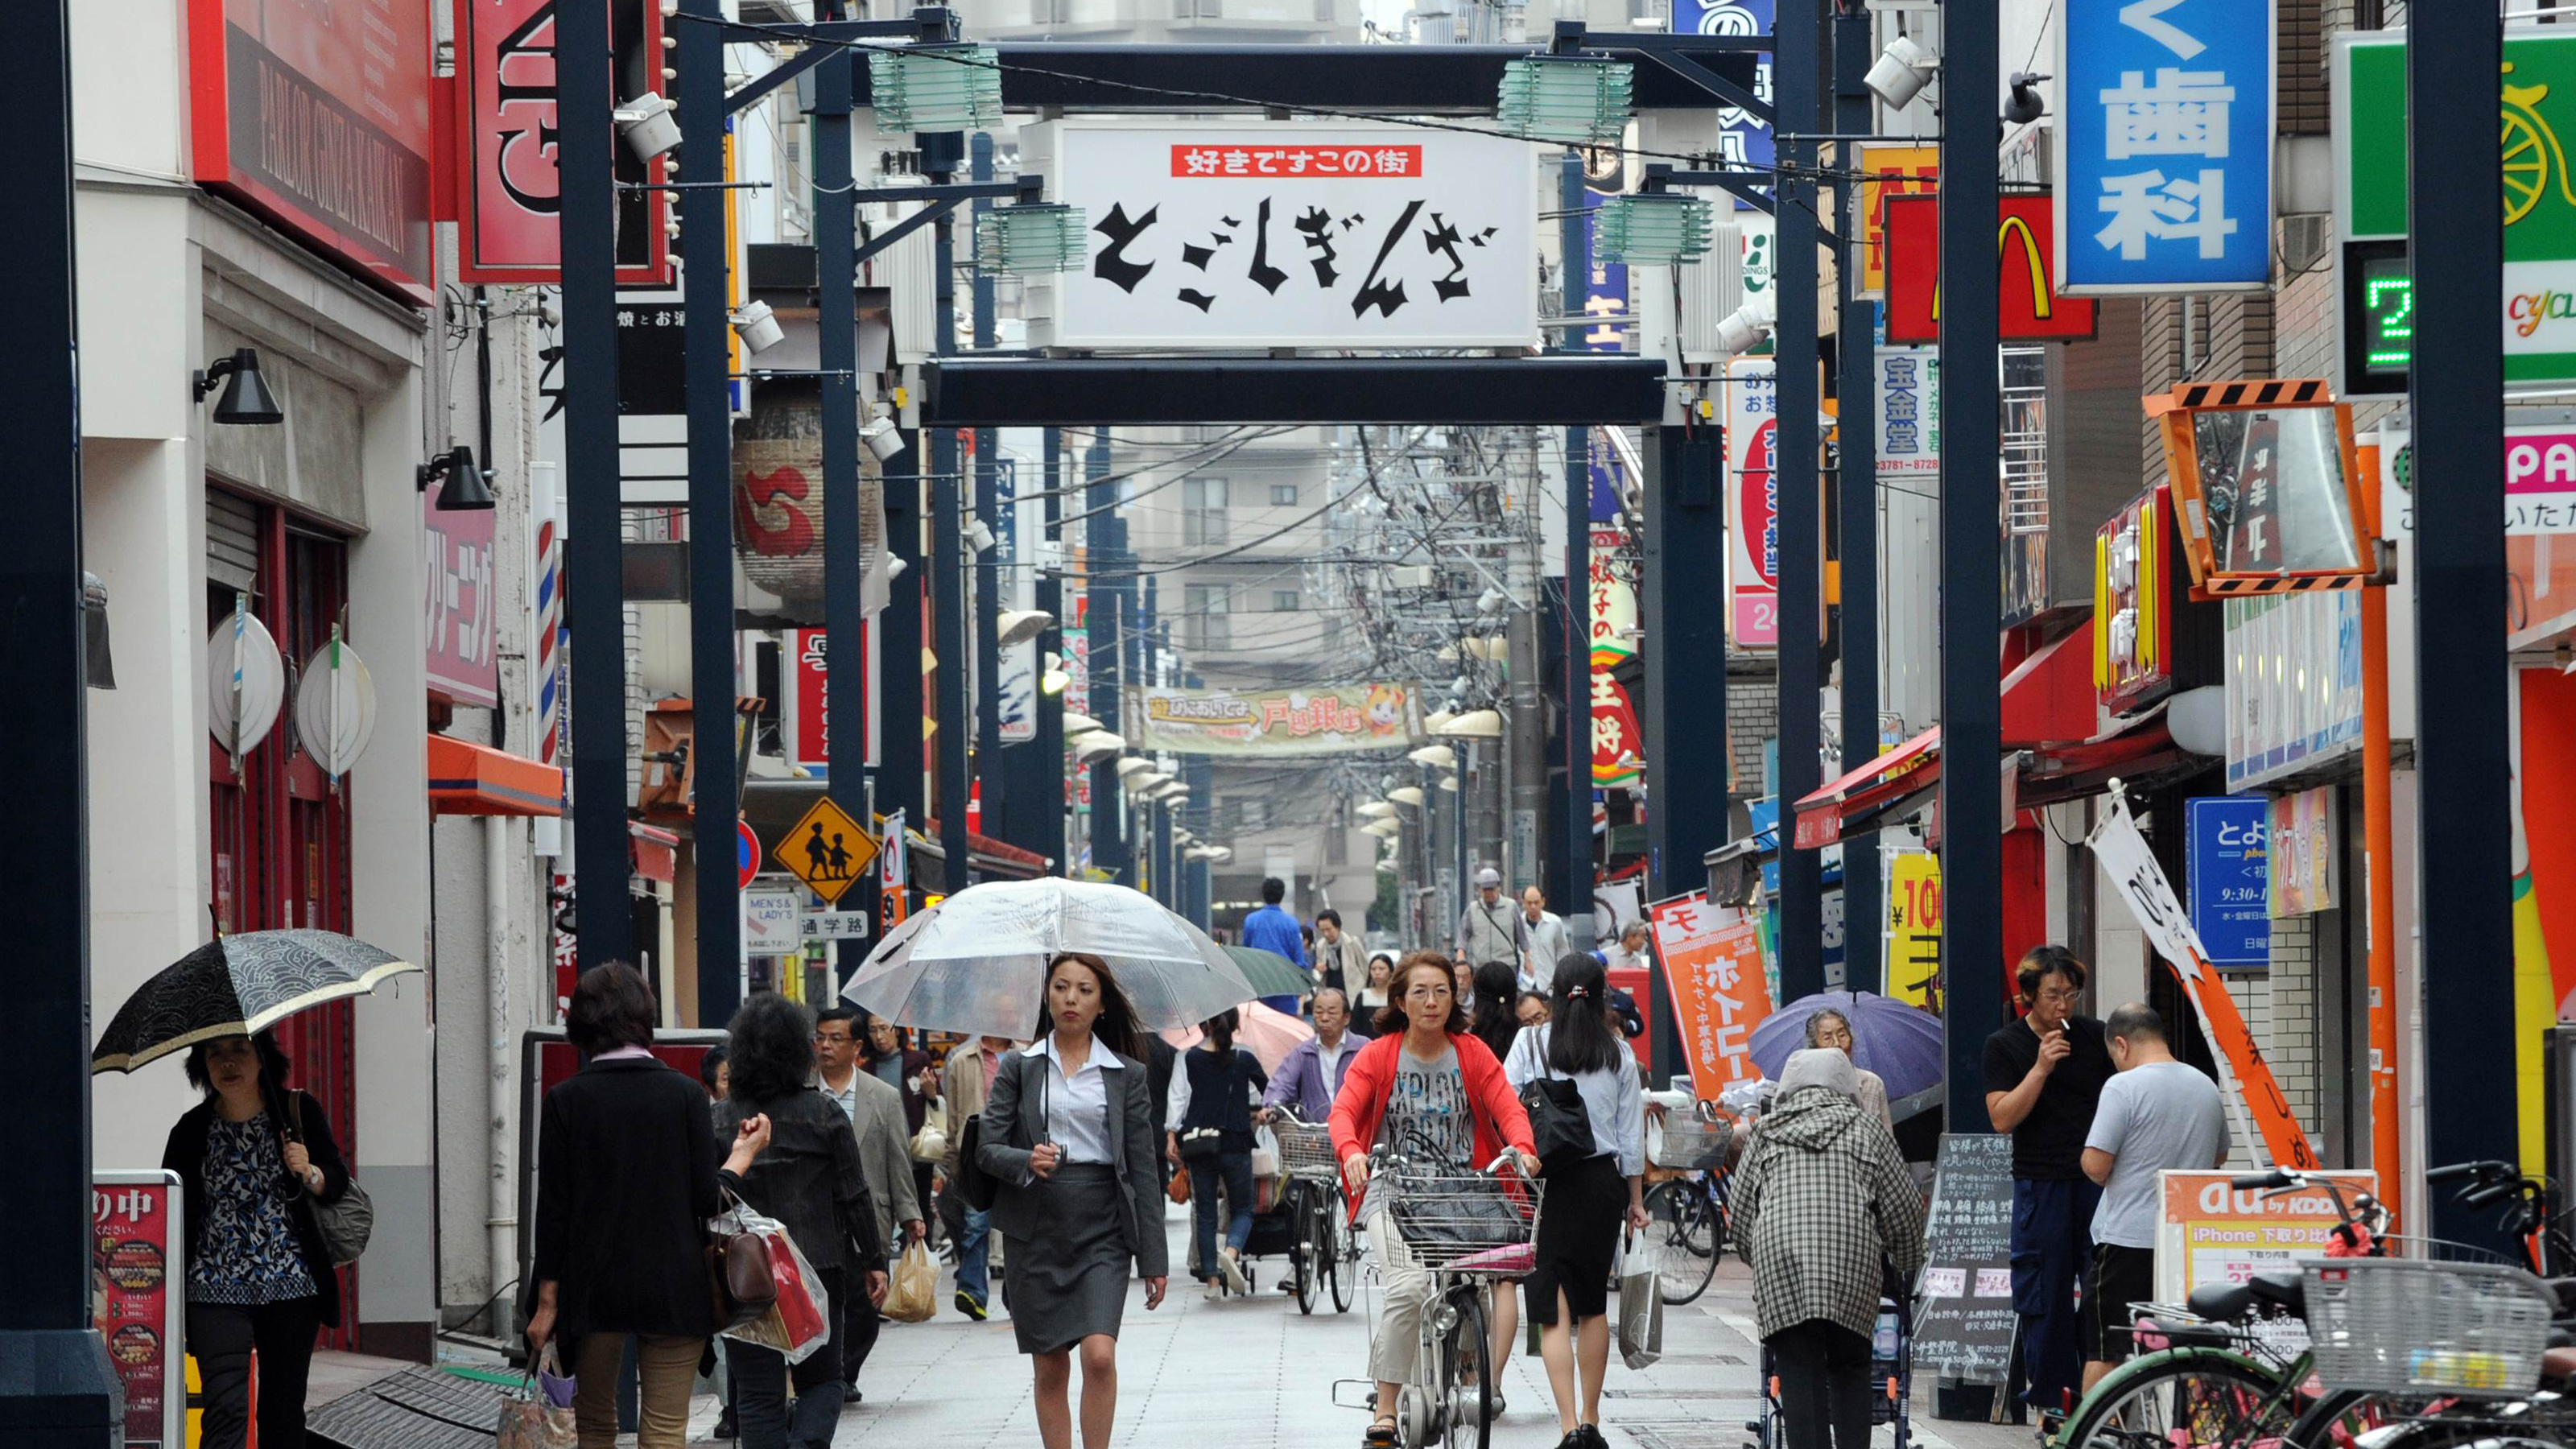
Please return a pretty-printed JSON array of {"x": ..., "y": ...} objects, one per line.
[{"x": 2044, "y": 1075}]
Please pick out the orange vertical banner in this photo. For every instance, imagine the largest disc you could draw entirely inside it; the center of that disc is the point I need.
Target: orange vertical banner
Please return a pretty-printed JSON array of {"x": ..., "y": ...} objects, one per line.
[{"x": 1712, "y": 958}]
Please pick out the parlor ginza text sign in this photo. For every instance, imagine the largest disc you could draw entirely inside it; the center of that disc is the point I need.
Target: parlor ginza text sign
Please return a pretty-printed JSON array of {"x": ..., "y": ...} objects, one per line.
[{"x": 1282, "y": 234}]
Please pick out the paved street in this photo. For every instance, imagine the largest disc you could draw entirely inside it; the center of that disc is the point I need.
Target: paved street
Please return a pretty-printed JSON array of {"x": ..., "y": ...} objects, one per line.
[{"x": 1261, "y": 1375}]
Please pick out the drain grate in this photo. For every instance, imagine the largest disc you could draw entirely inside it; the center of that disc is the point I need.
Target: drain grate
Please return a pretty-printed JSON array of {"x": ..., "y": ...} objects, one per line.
[{"x": 1682, "y": 1434}]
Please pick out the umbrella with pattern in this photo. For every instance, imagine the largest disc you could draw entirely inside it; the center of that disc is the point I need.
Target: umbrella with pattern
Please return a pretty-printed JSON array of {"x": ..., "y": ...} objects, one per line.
[{"x": 238, "y": 986}]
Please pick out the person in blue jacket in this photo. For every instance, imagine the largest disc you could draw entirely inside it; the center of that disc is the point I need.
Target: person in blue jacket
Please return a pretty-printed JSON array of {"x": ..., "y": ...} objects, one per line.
[{"x": 1271, "y": 928}]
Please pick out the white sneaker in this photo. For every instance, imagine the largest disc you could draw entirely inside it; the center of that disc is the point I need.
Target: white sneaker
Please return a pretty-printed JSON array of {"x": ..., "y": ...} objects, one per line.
[
  {"x": 1230, "y": 1263},
  {"x": 1212, "y": 1291}
]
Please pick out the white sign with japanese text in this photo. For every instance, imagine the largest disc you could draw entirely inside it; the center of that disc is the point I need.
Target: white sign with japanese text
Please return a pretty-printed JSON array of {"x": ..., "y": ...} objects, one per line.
[{"x": 1285, "y": 234}]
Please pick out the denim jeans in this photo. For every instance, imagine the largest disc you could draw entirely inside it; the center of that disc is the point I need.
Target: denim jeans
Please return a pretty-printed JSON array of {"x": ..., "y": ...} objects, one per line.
[
  {"x": 1206, "y": 1170},
  {"x": 761, "y": 1375},
  {"x": 975, "y": 1256}
]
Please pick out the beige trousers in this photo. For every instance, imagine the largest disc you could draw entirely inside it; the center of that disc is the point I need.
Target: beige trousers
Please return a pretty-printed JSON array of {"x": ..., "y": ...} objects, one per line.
[{"x": 665, "y": 1369}]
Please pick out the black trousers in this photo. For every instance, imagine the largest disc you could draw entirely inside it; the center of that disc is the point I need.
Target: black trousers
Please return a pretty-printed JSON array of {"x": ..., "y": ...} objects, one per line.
[
  {"x": 854, "y": 1333},
  {"x": 223, "y": 1338},
  {"x": 1824, "y": 1385}
]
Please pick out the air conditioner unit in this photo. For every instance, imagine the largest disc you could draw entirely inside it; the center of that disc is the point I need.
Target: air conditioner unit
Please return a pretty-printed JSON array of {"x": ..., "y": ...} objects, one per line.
[
  {"x": 1411, "y": 576},
  {"x": 1711, "y": 292}
]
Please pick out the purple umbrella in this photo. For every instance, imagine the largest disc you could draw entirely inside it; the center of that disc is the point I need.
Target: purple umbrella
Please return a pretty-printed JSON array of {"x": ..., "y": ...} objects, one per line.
[{"x": 1900, "y": 1042}]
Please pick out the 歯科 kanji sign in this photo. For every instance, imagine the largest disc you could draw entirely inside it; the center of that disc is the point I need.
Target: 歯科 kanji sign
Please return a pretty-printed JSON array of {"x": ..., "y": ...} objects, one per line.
[
  {"x": 1279, "y": 234},
  {"x": 826, "y": 849},
  {"x": 1712, "y": 959},
  {"x": 2030, "y": 308},
  {"x": 2164, "y": 146}
]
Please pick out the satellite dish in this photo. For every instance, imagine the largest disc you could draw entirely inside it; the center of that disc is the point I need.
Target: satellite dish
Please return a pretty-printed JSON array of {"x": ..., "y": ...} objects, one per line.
[
  {"x": 335, "y": 707},
  {"x": 245, "y": 681}
]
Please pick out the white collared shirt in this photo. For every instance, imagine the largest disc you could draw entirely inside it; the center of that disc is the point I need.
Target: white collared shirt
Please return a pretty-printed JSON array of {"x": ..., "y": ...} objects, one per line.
[
  {"x": 1077, "y": 1107},
  {"x": 1331, "y": 1059}
]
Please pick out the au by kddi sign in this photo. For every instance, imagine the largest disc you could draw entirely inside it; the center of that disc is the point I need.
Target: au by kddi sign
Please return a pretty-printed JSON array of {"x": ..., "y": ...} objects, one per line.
[{"x": 2031, "y": 310}]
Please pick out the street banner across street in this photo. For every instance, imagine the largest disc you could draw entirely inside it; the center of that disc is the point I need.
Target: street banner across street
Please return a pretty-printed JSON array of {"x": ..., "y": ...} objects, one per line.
[
  {"x": 2141, "y": 883},
  {"x": 1328, "y": 719},
  {"x": 1712, "y": 959}
]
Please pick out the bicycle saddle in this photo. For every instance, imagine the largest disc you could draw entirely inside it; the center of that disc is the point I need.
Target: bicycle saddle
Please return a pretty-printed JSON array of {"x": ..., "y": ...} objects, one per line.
[{"x": 2228, "y": 1302}]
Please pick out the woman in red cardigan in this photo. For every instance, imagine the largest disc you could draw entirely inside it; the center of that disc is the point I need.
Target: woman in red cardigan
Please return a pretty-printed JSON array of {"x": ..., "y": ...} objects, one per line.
[{"x": 1436, "y": 1096}]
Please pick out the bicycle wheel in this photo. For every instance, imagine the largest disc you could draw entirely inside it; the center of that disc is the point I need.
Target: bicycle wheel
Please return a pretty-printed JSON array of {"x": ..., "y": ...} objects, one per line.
[
  {"x": 2186, "y": 1400},
  {"x": 2338, "y": 1418},
  {"x": 1681, "y": 1223},
  {"x": 1306, "y": 1255},
  {"x": 1466, "y": 1373},
  {"x": 1342, "y": 1264}
]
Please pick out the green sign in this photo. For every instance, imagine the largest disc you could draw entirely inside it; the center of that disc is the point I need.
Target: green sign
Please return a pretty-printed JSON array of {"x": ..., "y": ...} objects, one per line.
[{"x": 2537, "y": 304}]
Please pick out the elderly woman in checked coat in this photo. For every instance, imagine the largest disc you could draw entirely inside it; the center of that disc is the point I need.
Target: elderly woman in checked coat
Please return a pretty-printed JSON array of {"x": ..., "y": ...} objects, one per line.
[{"x": 1822, "y": 1208}]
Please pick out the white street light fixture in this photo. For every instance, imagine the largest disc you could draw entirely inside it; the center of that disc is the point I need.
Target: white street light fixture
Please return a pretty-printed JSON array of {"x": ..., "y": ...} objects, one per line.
[
  {"x": 648, "y": 125},
  {"x": 1901, "y": 72},
  {"x": 1406, "y": 795},
  {"x": 1746, "y": 325},
  {"x": 1449, "y": 783},
  {"x": 1097, "y": 745},
  {"x": 1019, "y": 626},
  {"x": 1078, "y": 723},
  {"x": 1375, "y": 810},
  {"x": 936, "y": 88},
  {"x": 1475, "y": 724},
  {"x": 979, "y": 534},
  {"x": 1383, "y": 829},
  {"x": 756, "y": 323},
  {"x": 883, "y": 438},
  {"x": 1438, "y": 755},
  {"x": 1133, "y": 763},
  {"x": 1437, "y": 720}
]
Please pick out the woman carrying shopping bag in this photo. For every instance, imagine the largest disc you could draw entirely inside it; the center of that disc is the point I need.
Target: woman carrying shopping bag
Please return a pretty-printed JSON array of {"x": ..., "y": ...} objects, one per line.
[
  {"x": 1209, "y": 1131},
  {"x": 1820, "y": 1207},
  {"x": 810, "y": 1181},
  {"x": 1594, "y": 1183}
]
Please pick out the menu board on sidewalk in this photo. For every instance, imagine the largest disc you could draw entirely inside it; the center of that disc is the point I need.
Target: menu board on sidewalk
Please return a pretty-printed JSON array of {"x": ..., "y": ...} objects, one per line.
[
  {"x": 136, "y": 1299},
  {"x": 1966, "y": 1326}
]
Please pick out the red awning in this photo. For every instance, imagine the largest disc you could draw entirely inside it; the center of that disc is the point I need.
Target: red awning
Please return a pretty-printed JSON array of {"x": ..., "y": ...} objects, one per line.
[
  {"x": 2050, "y": 695},
  {"x": 657, "y": 852},
  {"x": 471, "y": 779},
  {"x": 1906, "y": 771},
  {"x": 993, "y": 857}
]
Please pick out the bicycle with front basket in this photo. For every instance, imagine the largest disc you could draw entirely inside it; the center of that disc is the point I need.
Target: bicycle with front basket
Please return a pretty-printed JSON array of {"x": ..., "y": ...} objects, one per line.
[{"x": 1326, "y": 1252}]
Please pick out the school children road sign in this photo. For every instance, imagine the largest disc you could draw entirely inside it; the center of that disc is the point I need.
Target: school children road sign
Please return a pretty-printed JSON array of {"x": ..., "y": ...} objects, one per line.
[{"x": 828, "y": 850}]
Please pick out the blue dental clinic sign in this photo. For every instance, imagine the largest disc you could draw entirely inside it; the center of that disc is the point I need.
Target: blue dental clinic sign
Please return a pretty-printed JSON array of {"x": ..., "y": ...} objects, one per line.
[
  {"x": 2226, "y": 862},
  {"x": 2164, "y": 154},
  {"x": 1742, "y": 140}
]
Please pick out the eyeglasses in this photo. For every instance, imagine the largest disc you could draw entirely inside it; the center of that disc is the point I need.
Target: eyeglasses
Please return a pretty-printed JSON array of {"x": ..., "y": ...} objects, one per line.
[
  {"x": 827, "y": 1039},
  {"x": 1427, "y": 993},
  {"x": 2060, "y": 995}
]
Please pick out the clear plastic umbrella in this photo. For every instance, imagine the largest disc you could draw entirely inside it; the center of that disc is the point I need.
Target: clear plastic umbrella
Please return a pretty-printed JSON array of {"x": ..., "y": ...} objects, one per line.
[{"x": 976, "y": 962}]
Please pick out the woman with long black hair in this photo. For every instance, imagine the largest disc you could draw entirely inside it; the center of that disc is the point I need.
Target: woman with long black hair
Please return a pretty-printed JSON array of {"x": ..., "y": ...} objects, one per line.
[
  {"x": 1067, "y": 1137},
  {"x": 1493, "y": 1012},
  {"x": 1586, "y": 1199},
  {"x": 1210, "y": 1132}
]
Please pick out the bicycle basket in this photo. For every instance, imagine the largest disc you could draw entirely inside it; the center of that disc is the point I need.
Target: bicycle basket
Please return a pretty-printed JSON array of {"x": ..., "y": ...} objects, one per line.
[
  {"x": 1306, "y": 1149},
  {"x": 1464, "y": 1223},
  {"x": 1693, "y": 1146},
  {"x": 2392, "y": 1325}
]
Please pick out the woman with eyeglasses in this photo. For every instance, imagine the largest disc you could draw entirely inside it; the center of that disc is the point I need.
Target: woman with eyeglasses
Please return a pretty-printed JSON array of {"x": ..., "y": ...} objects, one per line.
[
  {"x": 259, "y": 1276},
  {"x": 1433, "y": 1094}
]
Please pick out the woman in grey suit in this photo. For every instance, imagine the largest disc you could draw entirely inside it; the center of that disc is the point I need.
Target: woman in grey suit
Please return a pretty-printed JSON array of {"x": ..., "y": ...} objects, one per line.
[{"x": 1068, "y": 1139}]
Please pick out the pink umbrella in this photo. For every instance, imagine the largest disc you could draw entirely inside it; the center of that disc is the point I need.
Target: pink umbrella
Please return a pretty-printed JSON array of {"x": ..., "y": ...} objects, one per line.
[{"x": 1270, "y": 1033}]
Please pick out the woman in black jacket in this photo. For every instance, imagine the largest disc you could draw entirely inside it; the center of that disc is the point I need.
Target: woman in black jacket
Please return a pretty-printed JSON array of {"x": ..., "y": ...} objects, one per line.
[
  {"x": 1210, "y": 1127},
  {"x": 626, "y": 1179},
  {"x": 259, "y": 1277},
  {"x": 808, "y": 1178}
]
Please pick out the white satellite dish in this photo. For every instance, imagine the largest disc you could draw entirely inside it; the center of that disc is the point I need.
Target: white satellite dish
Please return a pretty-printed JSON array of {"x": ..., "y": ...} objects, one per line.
[
  {"x": 335, "y": 707},
  {"x": 245, "y": 681}
]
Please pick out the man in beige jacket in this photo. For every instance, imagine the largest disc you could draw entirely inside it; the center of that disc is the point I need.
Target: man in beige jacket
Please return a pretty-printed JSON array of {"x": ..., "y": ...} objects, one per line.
[
  {"x": 876, "y": 1114},
  {"x": 964, "y": 1082}
]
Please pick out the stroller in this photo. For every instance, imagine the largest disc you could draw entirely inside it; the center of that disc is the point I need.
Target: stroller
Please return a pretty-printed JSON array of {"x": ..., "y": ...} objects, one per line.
[{"x": 1891, "y": 1372}]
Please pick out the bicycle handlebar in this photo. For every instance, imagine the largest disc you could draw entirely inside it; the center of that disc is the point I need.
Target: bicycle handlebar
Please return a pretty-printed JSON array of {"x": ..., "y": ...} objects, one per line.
[
  {"x": 2486, "y": 1170},
  {"x": 2480, "y": 1196},
  {"x": 2259, "y": 1181}
]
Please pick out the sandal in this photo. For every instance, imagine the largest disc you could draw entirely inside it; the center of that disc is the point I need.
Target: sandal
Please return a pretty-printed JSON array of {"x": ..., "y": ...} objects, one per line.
[{"x": 1380, "y": 1435}]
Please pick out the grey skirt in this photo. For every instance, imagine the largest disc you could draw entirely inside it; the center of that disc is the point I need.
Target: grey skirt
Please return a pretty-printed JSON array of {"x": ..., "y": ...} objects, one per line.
[{"x": 1070, "y": 1280}]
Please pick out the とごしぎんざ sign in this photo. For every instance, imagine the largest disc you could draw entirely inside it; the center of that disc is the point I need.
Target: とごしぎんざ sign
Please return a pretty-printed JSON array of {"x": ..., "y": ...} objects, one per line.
[
  {"x": 2030, "y": 308},
  {"x": 827, "y": 849},
  {"x": 1276, "y": 234},
  {"x": 1320, "y": 720},
  {"x": 2163, "y": 153}
]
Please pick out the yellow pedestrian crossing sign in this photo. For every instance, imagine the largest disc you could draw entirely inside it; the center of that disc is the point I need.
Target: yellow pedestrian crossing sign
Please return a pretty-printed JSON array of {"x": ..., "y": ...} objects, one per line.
[{"x": 828, "y": 850}]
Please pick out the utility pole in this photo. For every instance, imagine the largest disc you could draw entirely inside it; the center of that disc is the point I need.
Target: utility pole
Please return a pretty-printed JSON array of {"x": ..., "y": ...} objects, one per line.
[
  {"x": 717, "y": 802},
  {"x": 2456, "y": 390},
  {"x": 59, "y": 1389},
  {"x": 1798, "y": 31},
  {"x": 1856, "y": 495},
  {"x": 1527, "y": 732},
  {"x": 1972, "y": 783},
  {"x": 953, "y": 646},
  {"x": 1105, "y": 554},
  {"x": 594, "y": 581},
  {"x": 1038, "y": 786},
  {"x": 985, "y": 618},
  {"x": 1574, "y": 866}
]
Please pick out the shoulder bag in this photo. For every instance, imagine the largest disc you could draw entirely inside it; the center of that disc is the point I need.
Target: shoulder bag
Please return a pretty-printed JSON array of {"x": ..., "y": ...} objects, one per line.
[
  {"x": 1560, "y": 1125},
  {"x": 346, "y": 1224},
  {"x": 740, "y": 1277}
]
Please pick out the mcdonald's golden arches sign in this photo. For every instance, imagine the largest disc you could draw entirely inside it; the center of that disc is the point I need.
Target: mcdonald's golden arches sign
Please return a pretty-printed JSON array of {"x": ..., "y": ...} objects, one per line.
[{"x": 2031, "y": 312}]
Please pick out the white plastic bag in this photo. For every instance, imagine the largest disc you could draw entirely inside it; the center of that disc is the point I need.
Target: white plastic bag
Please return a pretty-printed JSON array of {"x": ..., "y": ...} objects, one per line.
[
  {"x": 1641, "y": 1305},
  {"x": 800, "y": 1323}
]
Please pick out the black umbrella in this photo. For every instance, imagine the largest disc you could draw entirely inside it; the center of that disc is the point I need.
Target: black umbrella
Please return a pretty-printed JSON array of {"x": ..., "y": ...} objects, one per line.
[{"x": 238, "y": 986}]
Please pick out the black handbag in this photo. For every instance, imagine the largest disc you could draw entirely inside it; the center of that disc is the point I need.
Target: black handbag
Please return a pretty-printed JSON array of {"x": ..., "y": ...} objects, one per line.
[
  {"x": 1483, "y": 1212},
  {"x": 979, "y": 1187},
  {"x": 1560, "y": 1125}
]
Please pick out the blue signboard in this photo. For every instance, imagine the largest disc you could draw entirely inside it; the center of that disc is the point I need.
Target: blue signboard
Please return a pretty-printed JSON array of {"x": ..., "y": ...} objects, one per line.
[
  {"x": 2226, "y": 860},
  {"x": 2164, "y": 146},
  {"x": 1605, "y": 296},
  {"x": 1742, "y": 140}
]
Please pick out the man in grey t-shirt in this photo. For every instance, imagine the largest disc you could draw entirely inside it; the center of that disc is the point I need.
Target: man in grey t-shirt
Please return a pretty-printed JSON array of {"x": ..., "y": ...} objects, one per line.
[{"x": 2156, "y": 1115}]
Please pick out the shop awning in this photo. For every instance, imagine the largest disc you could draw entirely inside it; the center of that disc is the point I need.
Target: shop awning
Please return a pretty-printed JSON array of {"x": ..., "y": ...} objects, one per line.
[
  {"x": 471, "y": 779},
  {"x": 989, "y": 856},
  {"x": 1873, "y": 790},
  {"x": 2138, "y": 751},
  {"x": 657, "y": 852},
  {"x": 2050, "y": 695}
]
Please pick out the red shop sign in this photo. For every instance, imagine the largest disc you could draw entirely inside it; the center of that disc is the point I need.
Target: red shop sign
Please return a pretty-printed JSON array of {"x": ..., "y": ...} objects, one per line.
[{"x": 2030, "y": 311}]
